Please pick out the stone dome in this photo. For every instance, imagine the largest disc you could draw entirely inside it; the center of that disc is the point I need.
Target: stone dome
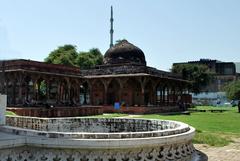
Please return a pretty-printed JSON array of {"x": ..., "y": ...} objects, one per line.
[{"x": 124, "y": 52}]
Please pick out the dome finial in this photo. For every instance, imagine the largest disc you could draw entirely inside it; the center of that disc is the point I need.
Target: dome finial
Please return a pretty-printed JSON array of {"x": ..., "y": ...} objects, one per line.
[{"x": 111, "y": 30}]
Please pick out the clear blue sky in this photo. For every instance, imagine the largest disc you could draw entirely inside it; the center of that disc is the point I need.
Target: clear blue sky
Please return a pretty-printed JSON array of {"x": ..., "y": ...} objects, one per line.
[{"x": 167, "y": 31}]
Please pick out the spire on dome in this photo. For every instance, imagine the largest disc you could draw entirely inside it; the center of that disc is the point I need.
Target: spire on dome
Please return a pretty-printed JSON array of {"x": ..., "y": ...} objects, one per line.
[{"x": 111, "y": 30}]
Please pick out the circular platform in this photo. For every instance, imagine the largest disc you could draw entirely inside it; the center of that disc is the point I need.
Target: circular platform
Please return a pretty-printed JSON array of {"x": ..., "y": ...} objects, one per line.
[{"x": 100, "y": 139}]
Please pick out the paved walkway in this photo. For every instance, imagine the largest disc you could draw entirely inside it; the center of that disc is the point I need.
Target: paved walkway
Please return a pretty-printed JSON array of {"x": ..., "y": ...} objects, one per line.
[{"x": 230, "y": 152}]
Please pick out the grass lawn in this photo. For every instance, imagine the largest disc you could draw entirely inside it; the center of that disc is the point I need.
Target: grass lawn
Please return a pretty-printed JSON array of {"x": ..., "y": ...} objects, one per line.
[
  {"x": 216, "y": 129},
  {"x": 225, "y": 122}
]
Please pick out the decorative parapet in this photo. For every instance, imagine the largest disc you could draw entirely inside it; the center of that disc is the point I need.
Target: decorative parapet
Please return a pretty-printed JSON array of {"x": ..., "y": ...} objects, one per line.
[{"x": 98, "y": 139}]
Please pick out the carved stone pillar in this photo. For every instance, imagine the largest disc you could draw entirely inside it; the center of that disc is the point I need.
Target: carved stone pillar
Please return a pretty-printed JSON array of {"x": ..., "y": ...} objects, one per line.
[
  {"x": 91, "y": 93},
  {"x": 168, "y": 95},
  {"x": 47, "y": 89},
  {"x": 20, "y": 89},
  {"x": 142, "y": 96}
]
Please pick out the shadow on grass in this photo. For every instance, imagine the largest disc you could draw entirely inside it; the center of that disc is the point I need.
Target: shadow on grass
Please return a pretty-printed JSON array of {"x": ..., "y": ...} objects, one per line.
[{"x": 175, "y": 113}]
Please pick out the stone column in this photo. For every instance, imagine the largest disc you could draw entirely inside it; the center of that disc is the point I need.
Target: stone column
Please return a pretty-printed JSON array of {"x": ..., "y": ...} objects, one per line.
[
  {"x": 142, "y": 97},
  {"x": 91, "y": 94},
  {"x": 105, "y": 95},
  {"x": 20, "y": 101},
  {"x": 154, "y": 94},
  {"x": 105, "y": 83},
  {"x": 3, "y": 104},
  {"x": 163, "y": 95},
  {"x": 168, "y": 95},
  {"x": 47, "y": 81},
  {"x": 120, "y": 91}
]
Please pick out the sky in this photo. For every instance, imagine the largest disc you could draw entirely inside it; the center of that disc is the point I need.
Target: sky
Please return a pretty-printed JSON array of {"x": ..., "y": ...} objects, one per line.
[{"x": 167, "y": 31}]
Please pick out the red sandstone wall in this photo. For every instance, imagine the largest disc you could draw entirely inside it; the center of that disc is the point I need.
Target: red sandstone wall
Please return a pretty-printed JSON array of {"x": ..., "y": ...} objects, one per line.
[{"x": 57, "y": 112}]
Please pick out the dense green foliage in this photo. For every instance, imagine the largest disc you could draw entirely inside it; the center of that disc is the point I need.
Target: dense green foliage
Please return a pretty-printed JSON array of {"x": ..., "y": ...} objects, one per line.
[
  {"x": 68, "y": 55},
  {"x": 65, "y": 55},
  {"x": 199, "y": 75},
  {"x": 89, "y": 59},
  {"x": 233, "y": 90}
]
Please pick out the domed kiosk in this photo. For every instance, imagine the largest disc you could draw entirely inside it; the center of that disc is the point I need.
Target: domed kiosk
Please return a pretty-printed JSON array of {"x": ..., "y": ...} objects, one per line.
[{"x": 124, "y": 52}]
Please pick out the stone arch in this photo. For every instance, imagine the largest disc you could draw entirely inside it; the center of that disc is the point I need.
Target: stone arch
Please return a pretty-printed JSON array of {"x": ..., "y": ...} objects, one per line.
[
  {"x": 41, "y": 88},
  {"x": 149, "y": 93},
  {"x": 98, "y": 92},
  {"x": 172, "y": 97},
  {"x": 74, "y": 92},
  {"x": 64, "y": 91},
  {"x": 113, "y": 92},
  {"x": 53, "y": 84},
  {"x": 166, "y": 90},
  {"x": 160, "y": 92},
  {"x": 131, "y": 93},
  {"x": 85, "y": 93},
  {"x": 28, "y": 89},
  {"x": 11, "y": 89}
]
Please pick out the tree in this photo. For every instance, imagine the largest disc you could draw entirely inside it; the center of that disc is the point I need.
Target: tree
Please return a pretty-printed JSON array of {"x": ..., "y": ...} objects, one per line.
[
  {"x": 86, "y": 60},
  {"x": 68, "y": 55},
  {"x": 233, "y": 90},
  {"x": 200, "y": 75},
  {"x": 65, "y": 55}
]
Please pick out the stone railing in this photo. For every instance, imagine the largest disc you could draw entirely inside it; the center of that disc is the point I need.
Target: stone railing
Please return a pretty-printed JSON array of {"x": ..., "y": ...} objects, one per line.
[
  {"x": 97, "y": 139},
  {"x": 93, "y": 128}
]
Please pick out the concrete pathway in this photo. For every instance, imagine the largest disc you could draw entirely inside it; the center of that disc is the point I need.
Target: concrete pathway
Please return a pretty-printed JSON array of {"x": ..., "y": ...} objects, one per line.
[
  {"x": 230, "y": 152},
  {"x": 8, "y": 140}
]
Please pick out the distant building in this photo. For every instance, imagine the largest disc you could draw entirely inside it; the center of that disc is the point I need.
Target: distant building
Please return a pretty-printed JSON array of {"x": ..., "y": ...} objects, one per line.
[
  {"x": 225, "y": 73},
  {"x": 237, "y": 64}
]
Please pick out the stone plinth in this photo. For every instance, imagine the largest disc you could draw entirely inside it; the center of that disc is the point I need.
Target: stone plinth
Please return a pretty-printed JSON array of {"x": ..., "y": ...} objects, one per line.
[{"x": 58, "y": 111}]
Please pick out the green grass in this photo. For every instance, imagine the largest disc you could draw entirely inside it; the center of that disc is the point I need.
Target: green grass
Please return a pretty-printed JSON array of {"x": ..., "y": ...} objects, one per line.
[
  {"x": 215, "y": 129},
  {"x": 226, "y": 122},
  {"x": 10, "y": 113},
  {"x": 213, "y": 139},
  {"x": 213, "y": 108}
]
